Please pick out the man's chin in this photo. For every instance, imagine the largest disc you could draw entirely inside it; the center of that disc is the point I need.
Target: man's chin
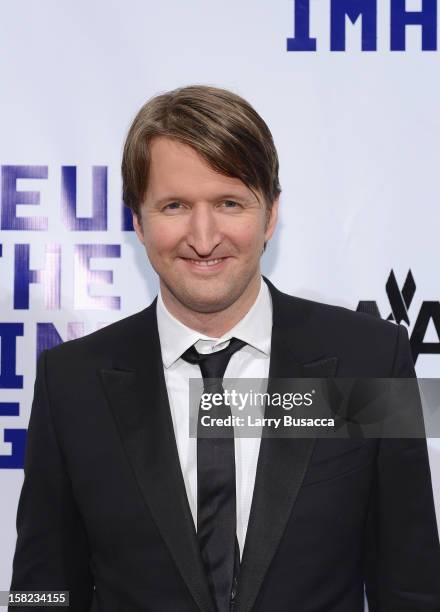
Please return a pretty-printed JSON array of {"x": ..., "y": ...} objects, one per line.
[
  {"x": 206, "y": 305},
  {"x": 208, "y": 295},
  {"x": 215, "y": 300}
]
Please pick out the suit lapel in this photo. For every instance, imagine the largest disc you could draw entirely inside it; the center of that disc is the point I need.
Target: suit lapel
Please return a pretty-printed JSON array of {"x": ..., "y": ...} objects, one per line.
[
  {"x": 137, "y": 395},
  {"x": 282, "y": 462}
]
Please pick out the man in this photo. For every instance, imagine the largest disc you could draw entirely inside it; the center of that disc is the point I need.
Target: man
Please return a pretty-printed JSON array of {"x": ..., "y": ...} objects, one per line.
[{"x": 122, "y": 508}]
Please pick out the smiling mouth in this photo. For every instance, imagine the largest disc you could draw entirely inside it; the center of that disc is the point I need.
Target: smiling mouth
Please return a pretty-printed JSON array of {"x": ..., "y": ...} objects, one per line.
[{"x": 205, "y": 263}]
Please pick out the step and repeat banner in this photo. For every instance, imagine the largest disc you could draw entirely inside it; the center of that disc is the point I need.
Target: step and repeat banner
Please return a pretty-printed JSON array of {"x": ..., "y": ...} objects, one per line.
[{"x": 350, "y": 91}]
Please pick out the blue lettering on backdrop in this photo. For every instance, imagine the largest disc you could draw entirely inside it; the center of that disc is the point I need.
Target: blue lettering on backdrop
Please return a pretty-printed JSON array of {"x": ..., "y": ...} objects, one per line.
[
  {"x": 98, "y": 220},
  {"x": 301, "y": 40},
  {"x": 367, "y": 9},
  {"x": 426, "y": 18},
  {"x": 49, "y": 277},
  {"x": 11, "y": 198},
  {"x": 84, "y": 276},
  {"x": 9, "y": 332},
  {"x": 17, "y": 438},
  {"x": 400, "y": 18},
  {"x": 9, "y": 379},
  {"x": 9, "y": 408}
]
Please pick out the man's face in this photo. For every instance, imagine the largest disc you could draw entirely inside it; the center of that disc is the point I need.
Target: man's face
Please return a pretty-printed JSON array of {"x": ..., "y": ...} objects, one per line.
[{"x": 203, "y": 231}]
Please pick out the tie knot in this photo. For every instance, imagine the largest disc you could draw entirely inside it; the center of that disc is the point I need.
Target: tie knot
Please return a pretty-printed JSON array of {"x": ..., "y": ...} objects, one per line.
[{"x": 213, "y": 365}]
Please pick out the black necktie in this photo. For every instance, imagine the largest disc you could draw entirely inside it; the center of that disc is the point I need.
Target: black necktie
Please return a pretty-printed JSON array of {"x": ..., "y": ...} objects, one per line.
[{"x": 216, "y": 499}]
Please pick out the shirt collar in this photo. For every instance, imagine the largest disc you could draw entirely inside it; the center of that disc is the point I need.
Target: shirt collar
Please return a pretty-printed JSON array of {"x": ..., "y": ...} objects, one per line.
[{"x": 255, "y": 328}]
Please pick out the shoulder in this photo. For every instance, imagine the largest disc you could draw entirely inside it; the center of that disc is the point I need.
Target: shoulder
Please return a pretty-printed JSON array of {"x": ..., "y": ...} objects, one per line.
[
  {"x": 107, "y": 344},
  {"x": 300, "y": 311},
  {"x": 345, "y": 320},
  {"x": 362, "y": 342}
]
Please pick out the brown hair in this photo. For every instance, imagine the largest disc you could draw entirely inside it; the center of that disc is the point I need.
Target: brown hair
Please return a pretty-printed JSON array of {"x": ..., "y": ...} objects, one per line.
[{"x": 220, "y": 125}]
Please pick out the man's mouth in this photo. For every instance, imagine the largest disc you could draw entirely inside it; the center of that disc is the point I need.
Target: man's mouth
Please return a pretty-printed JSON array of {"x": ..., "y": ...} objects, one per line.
[{"x": 205, "y": 263}]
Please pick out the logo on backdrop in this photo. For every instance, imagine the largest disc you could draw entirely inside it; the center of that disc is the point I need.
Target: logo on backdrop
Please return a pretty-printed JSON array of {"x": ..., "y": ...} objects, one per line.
[
  {"x": 400, "y": 300},
  {"x": 89, "y": 287},
  {"x": 365, "y": 11}
]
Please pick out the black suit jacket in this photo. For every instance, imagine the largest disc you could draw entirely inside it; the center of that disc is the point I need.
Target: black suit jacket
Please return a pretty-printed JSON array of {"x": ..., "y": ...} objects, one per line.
[{"x": 103, "y": 511}]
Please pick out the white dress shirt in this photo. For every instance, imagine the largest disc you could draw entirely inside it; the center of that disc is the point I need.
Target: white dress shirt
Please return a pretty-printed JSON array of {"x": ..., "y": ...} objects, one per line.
[{"x": 252, "y": 361}]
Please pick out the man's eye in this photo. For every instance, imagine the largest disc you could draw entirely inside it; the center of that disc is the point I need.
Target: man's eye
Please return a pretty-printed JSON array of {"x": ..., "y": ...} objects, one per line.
[
  {"x": 172, "y": 206},
  {"x": 231, "y": 204}
]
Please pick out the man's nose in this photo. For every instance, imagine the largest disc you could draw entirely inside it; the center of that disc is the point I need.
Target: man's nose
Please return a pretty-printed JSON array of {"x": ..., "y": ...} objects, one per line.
[{"x": 203, "y": 231}]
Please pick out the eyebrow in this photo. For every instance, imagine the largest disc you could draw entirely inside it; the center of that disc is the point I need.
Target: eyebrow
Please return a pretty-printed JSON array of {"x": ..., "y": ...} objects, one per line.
[{"x": 227, "y": 196}]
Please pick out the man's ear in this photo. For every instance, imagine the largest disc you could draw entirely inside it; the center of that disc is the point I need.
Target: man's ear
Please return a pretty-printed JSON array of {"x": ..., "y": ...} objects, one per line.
[
  {"x": 137, "y": 224},
  {"x": 272, "y": 218}
]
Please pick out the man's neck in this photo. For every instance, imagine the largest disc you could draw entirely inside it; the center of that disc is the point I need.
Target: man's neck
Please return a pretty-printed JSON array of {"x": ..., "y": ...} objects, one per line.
[{"x": 213, "y": 324}]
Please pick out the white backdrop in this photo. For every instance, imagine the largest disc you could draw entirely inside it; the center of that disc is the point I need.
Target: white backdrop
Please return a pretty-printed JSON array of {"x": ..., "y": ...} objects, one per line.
[{"x": 357, "y": 134}]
